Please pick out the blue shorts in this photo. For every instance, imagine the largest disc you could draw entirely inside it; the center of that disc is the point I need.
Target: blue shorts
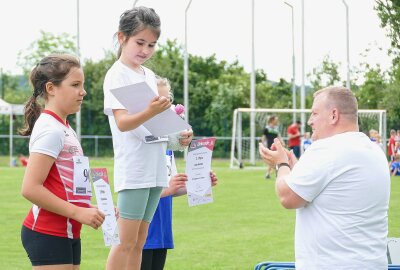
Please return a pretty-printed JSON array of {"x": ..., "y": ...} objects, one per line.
[
  {"x": 138, "y": 204},
  {"x": 45, "y": 249}
]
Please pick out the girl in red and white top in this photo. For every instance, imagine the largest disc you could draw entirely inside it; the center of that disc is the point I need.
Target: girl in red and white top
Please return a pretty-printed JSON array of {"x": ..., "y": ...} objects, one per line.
[{"x": 51, "y": 231}]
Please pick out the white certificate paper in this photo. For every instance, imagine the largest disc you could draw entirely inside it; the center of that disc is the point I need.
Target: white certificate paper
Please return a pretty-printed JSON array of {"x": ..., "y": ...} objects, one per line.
[
  {"x": 136, "y": 97},
  {"x": 105, "y": 204},
  {"x": 198, "y": 167}
]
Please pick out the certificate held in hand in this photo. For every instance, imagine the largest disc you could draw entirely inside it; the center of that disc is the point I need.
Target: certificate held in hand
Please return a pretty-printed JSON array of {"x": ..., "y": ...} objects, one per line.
[
  {"x": 136, "y": 97},
  {"x": 198, "y": 167},
  {"x": 105, "y": 204}
]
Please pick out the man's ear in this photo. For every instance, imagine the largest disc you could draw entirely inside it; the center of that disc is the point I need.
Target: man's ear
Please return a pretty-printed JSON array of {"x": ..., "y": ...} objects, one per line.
[{"x": 335, "y": 116}]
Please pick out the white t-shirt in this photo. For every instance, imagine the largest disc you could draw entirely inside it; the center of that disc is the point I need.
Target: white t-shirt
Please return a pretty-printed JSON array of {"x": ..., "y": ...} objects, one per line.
[
  {"x": 136, "y": 164},
  {"x": 346, "y": 181}
]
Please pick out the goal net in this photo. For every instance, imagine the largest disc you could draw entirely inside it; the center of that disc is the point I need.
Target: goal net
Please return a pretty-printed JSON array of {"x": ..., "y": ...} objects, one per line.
[{"x": 241, "y": 148}]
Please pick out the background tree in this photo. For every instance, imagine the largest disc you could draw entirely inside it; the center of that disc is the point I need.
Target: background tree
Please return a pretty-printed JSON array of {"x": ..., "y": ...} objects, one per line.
[
  {"x": 216, "y": 88},
  {"x": 13, "y": 90},
  {"x": 391, "y": 100},
  {"x": 389, "y": 13},
  {"x": 325, "y": 74},
  {"x": 47, "y": 43},
  {"x": 370, "y": 93}
]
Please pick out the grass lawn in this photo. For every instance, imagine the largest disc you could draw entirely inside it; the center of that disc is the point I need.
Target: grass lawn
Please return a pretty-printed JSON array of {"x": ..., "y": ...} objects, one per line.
[{"x": 244, "y": 225}]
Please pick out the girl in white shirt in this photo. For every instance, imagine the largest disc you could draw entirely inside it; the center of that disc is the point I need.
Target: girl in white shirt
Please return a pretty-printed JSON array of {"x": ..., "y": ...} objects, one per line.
[{"x": 139, "y": 166}]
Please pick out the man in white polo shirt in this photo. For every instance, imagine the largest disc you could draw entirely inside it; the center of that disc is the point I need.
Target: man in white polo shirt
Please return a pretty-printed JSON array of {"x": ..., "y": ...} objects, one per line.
[{"x": 340, "y": 187}]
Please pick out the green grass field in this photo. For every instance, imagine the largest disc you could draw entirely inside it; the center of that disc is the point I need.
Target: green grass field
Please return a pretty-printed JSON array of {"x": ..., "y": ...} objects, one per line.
[{"x": 244, "y": 225}]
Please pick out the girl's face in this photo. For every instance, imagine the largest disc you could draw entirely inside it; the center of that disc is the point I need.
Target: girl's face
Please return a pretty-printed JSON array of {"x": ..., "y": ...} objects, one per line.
[
  {"x": 137, "y": 49},
  {"x": 67, "y": 97}
]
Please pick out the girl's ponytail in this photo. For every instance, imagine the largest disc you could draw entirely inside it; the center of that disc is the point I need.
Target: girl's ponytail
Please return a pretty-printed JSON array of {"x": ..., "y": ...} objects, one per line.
[{"x": 31, "y": 114}]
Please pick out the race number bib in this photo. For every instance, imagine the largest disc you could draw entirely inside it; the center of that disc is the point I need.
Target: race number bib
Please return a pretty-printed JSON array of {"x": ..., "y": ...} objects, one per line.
[
  {"x": 82, "y": 185},
  {"x": 153, "y": 139}
]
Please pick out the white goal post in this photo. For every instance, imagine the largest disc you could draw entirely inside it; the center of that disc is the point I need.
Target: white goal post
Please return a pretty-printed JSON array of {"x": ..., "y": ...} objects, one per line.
[{"x": 241, "y": 140}]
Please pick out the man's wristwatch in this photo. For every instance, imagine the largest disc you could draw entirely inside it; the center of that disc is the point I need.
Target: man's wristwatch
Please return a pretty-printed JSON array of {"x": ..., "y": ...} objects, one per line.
[{"x": 282, "y": 164}]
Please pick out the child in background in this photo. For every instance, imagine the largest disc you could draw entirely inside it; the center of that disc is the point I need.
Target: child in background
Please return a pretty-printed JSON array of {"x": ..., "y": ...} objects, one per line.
[
  {"x": 395, "y": 166},
  {"x": 139, "y": 166},
  {"x": 159, "y": 238},
  {"x": 397, "y": 136},
  {"x": 51, "y": 231},
  {"x": 372, "y": 134},
  {"x": 23, "y": 159},
  {"x": 306, "y": 141},
  {"x": 391, "y": 151},
  {"x": 164, "y": 90}
]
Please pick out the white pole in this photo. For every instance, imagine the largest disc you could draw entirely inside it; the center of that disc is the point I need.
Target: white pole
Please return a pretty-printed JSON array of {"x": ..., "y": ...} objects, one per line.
[
  {"x": 11, "y": 136},
  {"x": 78, "y": 114},
  {"x": 252, "y": 90},
  {"x": 1, "y": 83},
  {"x": 347, "y": 44},
  {"x": 293, "y": 66},
  {"x": 240, "y": 140},
  {"x": 134, "y": 3},
  {"x": 234, "y": 128},
  {"x": 302, "y": 92},
  {"x": 185, "y": 74},
  {"x": 185, "y": 70}
]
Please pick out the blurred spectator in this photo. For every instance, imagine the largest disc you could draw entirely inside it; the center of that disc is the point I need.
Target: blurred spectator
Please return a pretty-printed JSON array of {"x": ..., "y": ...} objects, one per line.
[
  {"x": 24, "y": 160},
  {"x": 391, "y": 145},
  {"x": 294, "y": 137},
  {"x": 307, "y": 141},
  {"x": 395, "y": 167},
  {"x": 271, "y": 131},
  {"x": 376, "y": 137}
]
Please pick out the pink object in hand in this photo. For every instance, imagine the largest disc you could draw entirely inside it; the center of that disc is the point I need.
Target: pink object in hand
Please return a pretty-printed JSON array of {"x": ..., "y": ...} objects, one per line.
[{"x": 179, "y": 109}]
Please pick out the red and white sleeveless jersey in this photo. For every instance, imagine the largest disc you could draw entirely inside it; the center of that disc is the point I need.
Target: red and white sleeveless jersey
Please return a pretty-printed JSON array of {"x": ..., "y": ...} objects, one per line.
[{"x": 51, "y": 136}]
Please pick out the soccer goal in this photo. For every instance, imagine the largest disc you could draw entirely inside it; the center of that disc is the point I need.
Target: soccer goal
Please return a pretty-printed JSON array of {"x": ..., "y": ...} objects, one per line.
[{"x": 241, "y": 155}]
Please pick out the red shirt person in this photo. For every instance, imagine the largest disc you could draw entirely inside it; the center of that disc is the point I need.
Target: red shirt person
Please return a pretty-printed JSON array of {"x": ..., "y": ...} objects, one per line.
[
  {"x": 294, "y": 137},
  {"x": 391, "y": 145}
]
